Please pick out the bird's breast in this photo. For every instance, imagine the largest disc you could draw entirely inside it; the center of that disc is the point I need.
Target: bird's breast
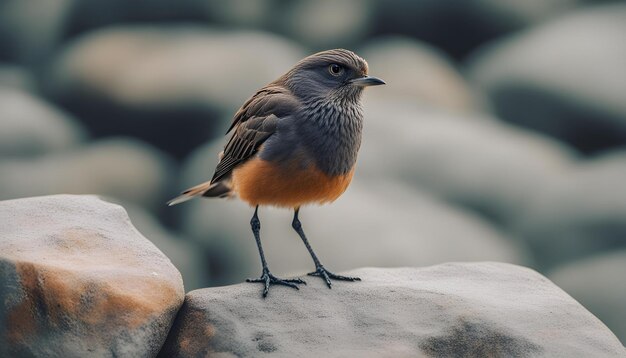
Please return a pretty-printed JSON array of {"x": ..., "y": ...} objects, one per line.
[{"x": 287, "y": 184}]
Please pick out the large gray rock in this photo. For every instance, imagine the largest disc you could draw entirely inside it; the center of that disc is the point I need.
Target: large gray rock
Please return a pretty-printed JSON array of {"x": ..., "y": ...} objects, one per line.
[
  {"x": 598, "y": 283},
  {"x": 419, "y": 74},
  {"x": 373, "y": 223},
  {"x": 30, "y": 126},
  {"x": 79, "y": 280},
  {"x": 176, "y": 81},
  {"x": 565, "y": 78},
  {"x": 120, "y": 168},
  {"x": 469, "y": 160},
  {"x": 581, "y": 214},
  {"x": 449, "y": 310}
]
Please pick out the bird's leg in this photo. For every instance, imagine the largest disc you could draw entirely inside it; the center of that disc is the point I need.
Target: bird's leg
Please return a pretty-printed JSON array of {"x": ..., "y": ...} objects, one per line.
[
  {"x": 267, "y": 277},
  {"x": 319, "y": 268}
]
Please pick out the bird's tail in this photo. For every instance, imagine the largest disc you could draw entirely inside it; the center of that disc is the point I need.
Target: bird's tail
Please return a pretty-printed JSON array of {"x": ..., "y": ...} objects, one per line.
[{"x": 219, "y": 190}]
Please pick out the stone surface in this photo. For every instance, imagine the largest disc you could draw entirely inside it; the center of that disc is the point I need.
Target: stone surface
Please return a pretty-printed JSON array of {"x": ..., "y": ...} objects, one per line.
[
  {"x": 449, "y": 310},
  {"x": 30, "y": 126},
  {"x": 598, "y": 284},
  {"x": 381, "y": 223},
  {"x": 420, "y": 74},
  {"x": 176, "y": 81},
  {"x": 80, "y": 280},
  {"x": 121, "y": 168},
  {"x": 582, "y": 213},
  {"x": 469, "y": 160},
  {"x": 565, "y": 77}
]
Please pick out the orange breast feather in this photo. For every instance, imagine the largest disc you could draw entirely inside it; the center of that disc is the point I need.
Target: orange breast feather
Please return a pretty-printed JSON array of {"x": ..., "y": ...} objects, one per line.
[{"x": 260, "y": 182}]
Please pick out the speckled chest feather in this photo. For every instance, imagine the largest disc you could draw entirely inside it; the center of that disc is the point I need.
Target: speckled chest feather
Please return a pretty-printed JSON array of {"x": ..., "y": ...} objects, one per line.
[{"x": 331, "y": 133}]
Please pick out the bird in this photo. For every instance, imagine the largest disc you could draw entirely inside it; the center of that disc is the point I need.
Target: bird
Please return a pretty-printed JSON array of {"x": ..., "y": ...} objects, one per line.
[{"x": 294, "y": 143}]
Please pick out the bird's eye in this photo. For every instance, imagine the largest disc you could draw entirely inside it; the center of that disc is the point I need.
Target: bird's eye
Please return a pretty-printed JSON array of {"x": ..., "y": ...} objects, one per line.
[{"x": 335, "y": 69}]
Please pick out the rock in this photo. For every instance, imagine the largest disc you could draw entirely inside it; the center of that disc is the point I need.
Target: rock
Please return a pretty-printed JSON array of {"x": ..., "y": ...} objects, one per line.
[
  {"x": 598, "y": 284},
  {"x": 192, "y": 61},
  {"x": 120, "y": 168},
  {"x": 417, "y": 230},
  {"x": 469, "y": 160},
  {"x": 458, "y": 27},
  {"x": 581, "y": 214},
  {"x": 30, "y": 126},
  {"x": 419, "y": 74},
  {"x": 186, "y": 255},
  {"x": 449, "y": 310},
  {"x": 80, "y": 280},
  {"x": 565, "y": 78},
  {"x": 179, "y": 81}
]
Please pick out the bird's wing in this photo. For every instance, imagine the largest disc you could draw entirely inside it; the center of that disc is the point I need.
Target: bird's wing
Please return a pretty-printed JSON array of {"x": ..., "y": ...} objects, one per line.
[
  {"x": 253, "y": 124},
  {"x": 272, "y": 99}
]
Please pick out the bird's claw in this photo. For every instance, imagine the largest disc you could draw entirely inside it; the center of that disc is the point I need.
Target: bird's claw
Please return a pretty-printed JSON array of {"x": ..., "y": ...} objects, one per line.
[
  {"x": 268, "y": 279},
  {"x": 327, "y": 276}
]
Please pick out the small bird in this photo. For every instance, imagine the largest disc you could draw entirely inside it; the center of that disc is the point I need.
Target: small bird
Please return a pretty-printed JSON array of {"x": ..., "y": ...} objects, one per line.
[{"x": 294, "y": 142}]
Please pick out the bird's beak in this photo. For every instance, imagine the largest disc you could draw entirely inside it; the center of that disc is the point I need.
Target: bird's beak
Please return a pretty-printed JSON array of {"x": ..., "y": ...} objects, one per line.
[{"x": 367, "y": 81}]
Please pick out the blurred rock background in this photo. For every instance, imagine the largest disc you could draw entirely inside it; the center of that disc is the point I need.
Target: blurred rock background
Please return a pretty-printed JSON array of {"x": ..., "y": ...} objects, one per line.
[{"x": 501, "y": 134}]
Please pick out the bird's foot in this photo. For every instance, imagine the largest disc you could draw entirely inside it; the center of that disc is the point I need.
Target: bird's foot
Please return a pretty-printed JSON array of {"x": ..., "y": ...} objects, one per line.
[
  {"x": 268, "y": 279},
  {"x": 327, "y": 276}
]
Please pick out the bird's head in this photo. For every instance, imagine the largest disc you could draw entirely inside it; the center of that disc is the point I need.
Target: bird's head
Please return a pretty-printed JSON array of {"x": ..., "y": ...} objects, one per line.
[{"x": 334, "y": 75}]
